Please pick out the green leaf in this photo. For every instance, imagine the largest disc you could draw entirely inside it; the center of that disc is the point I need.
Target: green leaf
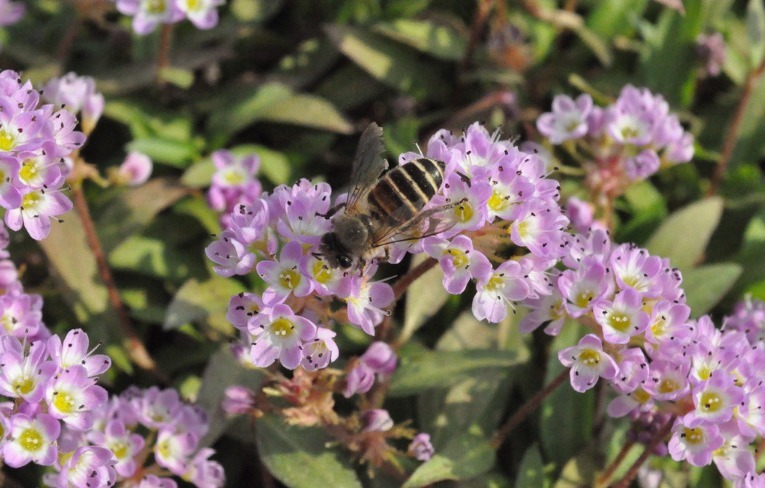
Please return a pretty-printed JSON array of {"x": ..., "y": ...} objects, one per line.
[
  {"x": 255, "y": 10},
  {"x": 418, "y": 311},
  {"x": 80, "y": 283},
  {"x": 308, "y": 63},
  {"x": 439, "y": 40},
  {"x": 198, "y": 208},
  {"x": 579, "y": 471},
  {"x": 668, "y": 59},
  {"x": 755, "y": 30},
  {"x": 153, "y": 256},
  {"x": 275, "y": 102},
  {"x": 349, "y": 86},
  {"x": 389, "y": 62},
  {"x": 299, "y": 456},
  {"x": 611, "y": 18},
  {"x": 706, "y": 285},
  {"x": 684, "y": 235},
  {"x": 566, "y": 416},
  {"x": 165, "y": 151},
  {"x": 222, "y": 371},
  {"x": 466, "y": 456},
  {"x": 201, "y": 300},
  {"x": 441, "y": 369},
  {"x": 180, "y": 77},
  {"x": 135, "y": 208},
  {"x": 531, "y": 473}
]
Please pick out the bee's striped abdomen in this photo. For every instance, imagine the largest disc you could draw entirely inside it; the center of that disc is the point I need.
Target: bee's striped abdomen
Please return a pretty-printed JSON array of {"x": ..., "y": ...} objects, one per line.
[{"x": 404, "y": 190}]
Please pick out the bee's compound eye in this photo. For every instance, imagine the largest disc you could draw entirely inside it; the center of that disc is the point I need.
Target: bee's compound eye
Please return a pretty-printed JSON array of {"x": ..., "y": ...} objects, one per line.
[{"x": 345, "y": 261}]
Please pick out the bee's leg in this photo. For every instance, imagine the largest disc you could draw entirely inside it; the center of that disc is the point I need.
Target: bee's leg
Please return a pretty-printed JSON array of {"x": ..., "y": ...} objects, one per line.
[
  {"x": 386, "y": 256},
  {"x": 332, "y": 211}
]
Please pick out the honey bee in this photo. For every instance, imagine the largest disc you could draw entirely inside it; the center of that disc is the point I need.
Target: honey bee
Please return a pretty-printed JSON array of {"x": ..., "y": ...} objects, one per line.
[{"x": 383, "y": 206}]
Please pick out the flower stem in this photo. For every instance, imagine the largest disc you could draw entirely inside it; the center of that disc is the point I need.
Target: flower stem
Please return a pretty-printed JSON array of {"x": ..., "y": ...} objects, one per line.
[
  {"x": 633, "y": 471},
  {"x": 399, "y": 287},
  {"x": 526, "y": 409},
  {"x": 163, "y": 51},
  {"x": 135, "y": 347},
  {"x": 602, "y": 480},
  {"x": 731, "y": 137}
]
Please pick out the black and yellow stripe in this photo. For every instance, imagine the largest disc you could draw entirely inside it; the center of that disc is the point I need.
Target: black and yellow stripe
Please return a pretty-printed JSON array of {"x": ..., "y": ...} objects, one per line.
[{"x": 404, "y": 190}]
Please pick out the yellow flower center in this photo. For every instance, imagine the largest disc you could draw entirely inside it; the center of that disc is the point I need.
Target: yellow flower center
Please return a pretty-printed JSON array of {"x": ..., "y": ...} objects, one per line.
[
  {"x": 156, "y": 7},
  {"x": 193, "y": 5},
  {"x": 289, "y": 278},
  {"x": 28, "y": 170},
  {"x": 31, "y": 199},
  {"x": 120, "y": 449},
  {"x": 64, "y": 402},
  {"x": 618, "y": 321},
  {"x": 640, "y": 395},
  {"x": 321, "y": 272},
  {"x": 7, "y": 141},
  {"x": 693, "y": 436},
  {"x": 282, "y": 327},
  {"x": 495, "y": 282},
  {"x": 459, "y": 257},
  {"x": 582, "y": 300},
  {"x": 234, "y": 177},
  {"x": 23, "y": 385},
  {"x": 668, "y": 385},
  {"x": 631, "y": 280},
  {"x": 31, "y": 440},
  {"x": 498, "y": 202},
  {"x": 589, "y": 357},
  {"x": 464, "y": 212},
  {"x": 704, "y": 373},
  {"x": 659, "y": 327},
  {"x": 164, "y": 450},
  {"x": 710, "y": 402}
]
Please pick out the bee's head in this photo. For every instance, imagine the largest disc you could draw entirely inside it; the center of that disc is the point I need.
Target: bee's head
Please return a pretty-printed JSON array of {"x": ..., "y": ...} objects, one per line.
[{"x": 334, "y": 252}]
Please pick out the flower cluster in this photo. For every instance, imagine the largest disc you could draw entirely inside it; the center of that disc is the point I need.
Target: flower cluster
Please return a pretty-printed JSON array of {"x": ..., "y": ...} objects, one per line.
[
  {"x": 53, "y": 384},
  {"x": 34, "y": 141},
  {"x": 624, "y": 142},
  {"x": 77, "y": 94},
  {"x": 660, "y": 362},
  {"x": 234, "y": 182},
  {"x": 129, "y": 427},
  {"x": 10, "y": 12},
  {"x": 148, "y": 14},
  {"x": 494, "y": 196}
]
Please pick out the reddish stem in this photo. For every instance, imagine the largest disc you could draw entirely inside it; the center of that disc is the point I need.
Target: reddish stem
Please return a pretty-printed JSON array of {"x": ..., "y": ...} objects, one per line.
[
  {"x": 611, "y": 469},
  {"x": 135, "y": 347},
  {"x": 633, "y": 471},
  {"x": 526, "y": 409},
  {"x": 731, "y": 137},
  {"x": 399, "y": 287}
]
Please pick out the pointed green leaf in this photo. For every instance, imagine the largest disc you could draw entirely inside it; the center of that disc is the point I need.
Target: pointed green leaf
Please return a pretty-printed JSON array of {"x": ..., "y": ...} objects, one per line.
[
  {"x": 441, "y": 369},
  {"x": 201, "y": 300},
  {"x": 393, "y": 64},
  {"x": 531, "y": 474},
  {"x": 300, "y": 458},
  {"x": 439, "y": 40},
  {"x": 222, "y": 371},
  {"x": 755, "y": 30},
  {"x": 706, "y": 285},
  {"x": 135, "y": 208},
  {"x": 418, "y": 311},
  {"x": 684, "y": 235},
  {"x": 275, "y": 102},
  {"x": 466, "y": 456}
]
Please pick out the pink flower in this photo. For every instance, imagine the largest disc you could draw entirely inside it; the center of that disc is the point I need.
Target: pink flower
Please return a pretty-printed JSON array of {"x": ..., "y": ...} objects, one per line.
[
  {"x": 136, "y": 169},
  {"x": 588, "y": 362}
]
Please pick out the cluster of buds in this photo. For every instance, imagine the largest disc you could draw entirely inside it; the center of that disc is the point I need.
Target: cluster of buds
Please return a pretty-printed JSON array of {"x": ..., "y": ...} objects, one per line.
[
  {"x": 505, "y": 201},
  {"x": 621, "y": 143},
  {"x": 35, "y": 140},
  {"x": 148, "y": 14}
]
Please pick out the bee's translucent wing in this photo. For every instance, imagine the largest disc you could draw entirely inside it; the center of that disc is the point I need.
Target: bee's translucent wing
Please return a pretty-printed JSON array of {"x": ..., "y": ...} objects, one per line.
[
  {"x": 414, "y": 228},
  {"x": 368, "y": 164}
]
